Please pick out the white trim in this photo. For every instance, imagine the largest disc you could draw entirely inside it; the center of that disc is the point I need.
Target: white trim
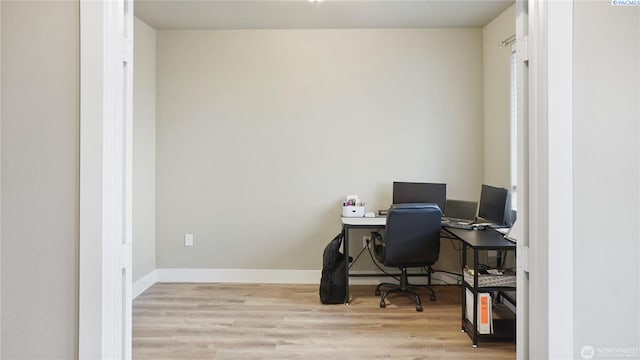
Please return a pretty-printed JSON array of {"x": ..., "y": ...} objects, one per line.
[
  {"x": 560, "y": 179},
  {"x": 369, "y": 280},
  {"x": 437, "y": 278},
  {"x": 551, "y": 333},
  {"x": 126, "y": 95},
  {"x": 0, "y": 174},
  {"x": 259, "y": 276},
  {"x": 521, "y": 227},
  {"x": 104, "y": 328},
  {"x": 141, "y": 285},
  {"x": 538, "y": 182}
]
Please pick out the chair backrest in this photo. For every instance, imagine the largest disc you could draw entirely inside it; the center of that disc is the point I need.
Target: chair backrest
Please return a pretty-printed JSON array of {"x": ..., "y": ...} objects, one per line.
[{"x": 412, "y": 235}]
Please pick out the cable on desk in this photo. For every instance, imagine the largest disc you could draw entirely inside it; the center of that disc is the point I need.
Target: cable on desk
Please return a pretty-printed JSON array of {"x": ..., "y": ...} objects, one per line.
[
  {"x": 378, "y": 266},
  {"x": 356, "y": 259},
  {"x": 457, "y": 275},
  {"x": 504, "y": 260},
  {"x": 458, "y": 249},
  {"x": 425, "y": 271},
  {"x": 453, "y": 245},
  {"x": 448, "y": 272}
]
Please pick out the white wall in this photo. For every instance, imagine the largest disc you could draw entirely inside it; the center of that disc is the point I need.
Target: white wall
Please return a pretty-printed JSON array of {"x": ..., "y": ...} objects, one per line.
[
  {"x": 497, "y": 92},
  {"x": 40, "y": 120},
  {"x": 144, "y": 150},
  {"x": 262, "y": 133},
  {"x": 606, "y": 176}
]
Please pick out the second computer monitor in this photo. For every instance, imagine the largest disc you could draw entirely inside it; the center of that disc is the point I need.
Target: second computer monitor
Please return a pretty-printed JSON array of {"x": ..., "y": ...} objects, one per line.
[
  {"x": 412, "y": 192},
  {"x": 494, "y": 203}
]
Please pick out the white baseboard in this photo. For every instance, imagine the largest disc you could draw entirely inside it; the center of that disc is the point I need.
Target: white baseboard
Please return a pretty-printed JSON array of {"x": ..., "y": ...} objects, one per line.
[
  {"x": 262, "y": 276},
  {"x": 436, "y": 279},
  {"x": 445, "y": 278},
  {"x": 144, "y": 283}
]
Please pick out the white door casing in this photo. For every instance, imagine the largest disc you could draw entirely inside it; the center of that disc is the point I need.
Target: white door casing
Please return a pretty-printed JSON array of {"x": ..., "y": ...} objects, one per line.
[
  {"x": 521, "y": 226},
  {"x": 545, "y": 254},
  {"x": 106, "y": 37}
]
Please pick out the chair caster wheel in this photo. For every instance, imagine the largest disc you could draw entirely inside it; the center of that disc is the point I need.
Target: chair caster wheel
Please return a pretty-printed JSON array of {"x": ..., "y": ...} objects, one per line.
[
  {"x": 382, "y": 304},
  {"x": 377, "y": 293},
  {"x": 432, "y": 298},
  {"x": 419, "y": 308}
]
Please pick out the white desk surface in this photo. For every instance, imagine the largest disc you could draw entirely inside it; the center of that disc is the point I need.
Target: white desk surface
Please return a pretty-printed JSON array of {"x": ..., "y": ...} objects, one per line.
[{"x": 373, "y": 221}]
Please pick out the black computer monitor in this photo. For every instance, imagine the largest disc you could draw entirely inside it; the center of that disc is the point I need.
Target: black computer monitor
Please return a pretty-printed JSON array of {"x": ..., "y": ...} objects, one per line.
[
  {"x": 412, "y": 192},
  {"x": 494, "y": 204}
]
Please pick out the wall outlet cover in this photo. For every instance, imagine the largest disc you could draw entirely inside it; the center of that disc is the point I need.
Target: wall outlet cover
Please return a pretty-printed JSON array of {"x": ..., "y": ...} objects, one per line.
[{"x": 188, "y": 239}]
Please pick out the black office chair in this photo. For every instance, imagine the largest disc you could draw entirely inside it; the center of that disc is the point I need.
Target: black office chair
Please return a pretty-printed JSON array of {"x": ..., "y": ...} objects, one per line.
[{"x": 412, "y": 239}]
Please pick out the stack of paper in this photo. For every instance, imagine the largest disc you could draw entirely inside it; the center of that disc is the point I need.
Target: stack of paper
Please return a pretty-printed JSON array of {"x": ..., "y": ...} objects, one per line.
[{"x": 485, "y": 312}]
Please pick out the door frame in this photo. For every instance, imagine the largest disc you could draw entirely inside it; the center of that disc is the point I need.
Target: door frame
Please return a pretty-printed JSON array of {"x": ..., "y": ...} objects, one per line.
[
  {"x": 105, "y": 181},
  {"x": 548, "y": 282},
  {"x": 104, "y": 314}
]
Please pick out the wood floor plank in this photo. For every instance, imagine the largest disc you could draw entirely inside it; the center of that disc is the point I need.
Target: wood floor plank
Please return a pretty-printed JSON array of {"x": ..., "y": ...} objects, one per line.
[{"x": 260, "y": 321}]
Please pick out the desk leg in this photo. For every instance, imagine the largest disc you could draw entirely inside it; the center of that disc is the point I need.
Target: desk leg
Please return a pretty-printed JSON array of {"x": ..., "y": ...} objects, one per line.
[
  {"x": 345, "y": 250},
  {"x": 464, "y": 290},
  {"x": 475, "y": 297}
]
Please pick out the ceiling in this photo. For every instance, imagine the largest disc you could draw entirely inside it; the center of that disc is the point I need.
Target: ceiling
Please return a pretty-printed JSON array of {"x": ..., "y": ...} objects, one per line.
[{"x": 328, "y": 14}]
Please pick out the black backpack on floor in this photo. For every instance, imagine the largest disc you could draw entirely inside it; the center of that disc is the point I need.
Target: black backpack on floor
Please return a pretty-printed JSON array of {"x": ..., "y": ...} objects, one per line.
[{"x": 333, "y": 287}]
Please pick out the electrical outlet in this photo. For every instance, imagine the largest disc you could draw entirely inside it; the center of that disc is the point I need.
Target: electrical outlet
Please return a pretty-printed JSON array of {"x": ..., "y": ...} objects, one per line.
[
  {"x": 188, "y": 239},
  {"x": 366, "y": 240}
]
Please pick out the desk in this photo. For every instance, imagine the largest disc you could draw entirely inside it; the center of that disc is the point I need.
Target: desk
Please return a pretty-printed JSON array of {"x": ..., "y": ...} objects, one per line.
[
  {"x": 349, "y": 223},
  {"x": 477, "y": 241}
]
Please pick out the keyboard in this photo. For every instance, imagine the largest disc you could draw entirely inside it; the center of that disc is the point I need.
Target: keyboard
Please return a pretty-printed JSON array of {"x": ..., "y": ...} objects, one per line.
[{"x": 457, "y": 225}]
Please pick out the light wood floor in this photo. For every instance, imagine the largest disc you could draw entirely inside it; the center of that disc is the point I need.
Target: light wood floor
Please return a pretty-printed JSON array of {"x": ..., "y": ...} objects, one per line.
[{"x": 245, "y": 321}]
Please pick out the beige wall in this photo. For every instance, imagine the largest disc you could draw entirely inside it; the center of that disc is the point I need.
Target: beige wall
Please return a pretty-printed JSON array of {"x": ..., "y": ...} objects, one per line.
[
  {"x": 497, "y": 90},
  {"x": 144, "y": 150},
  {"x": 606, "y": 168},
  {"x": 40, "y": 120},
  {"x": 262, "y": 133}
]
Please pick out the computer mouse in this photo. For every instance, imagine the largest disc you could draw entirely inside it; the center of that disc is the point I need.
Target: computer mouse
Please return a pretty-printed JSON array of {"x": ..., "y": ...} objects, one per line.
[{"x": 478, "y": 227}]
